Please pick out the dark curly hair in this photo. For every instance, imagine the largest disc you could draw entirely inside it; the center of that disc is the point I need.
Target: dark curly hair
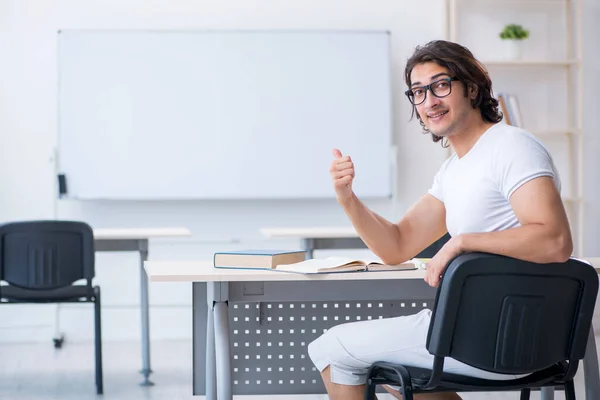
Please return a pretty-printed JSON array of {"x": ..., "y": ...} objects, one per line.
[{"x": 462, "y": 65}]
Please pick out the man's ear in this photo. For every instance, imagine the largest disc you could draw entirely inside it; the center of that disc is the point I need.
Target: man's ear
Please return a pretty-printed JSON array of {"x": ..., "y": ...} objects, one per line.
[{"x": 473, "y": 90}]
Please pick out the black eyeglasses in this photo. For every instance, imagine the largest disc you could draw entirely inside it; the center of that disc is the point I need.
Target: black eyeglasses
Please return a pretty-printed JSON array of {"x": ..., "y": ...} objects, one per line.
[{"x": 440, "y": 88}]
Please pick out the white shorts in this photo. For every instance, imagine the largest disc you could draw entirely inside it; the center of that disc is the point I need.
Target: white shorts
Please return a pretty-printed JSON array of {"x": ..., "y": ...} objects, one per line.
[{"x": 350, "y": 349}]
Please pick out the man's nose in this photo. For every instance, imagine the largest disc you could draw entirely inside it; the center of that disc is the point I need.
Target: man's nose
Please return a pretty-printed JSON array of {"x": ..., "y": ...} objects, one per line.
[{"x": 430, "y": 100}]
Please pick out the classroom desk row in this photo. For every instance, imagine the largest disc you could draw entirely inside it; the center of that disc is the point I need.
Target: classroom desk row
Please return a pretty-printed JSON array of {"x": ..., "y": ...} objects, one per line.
[{"x": 226, "y": 288}]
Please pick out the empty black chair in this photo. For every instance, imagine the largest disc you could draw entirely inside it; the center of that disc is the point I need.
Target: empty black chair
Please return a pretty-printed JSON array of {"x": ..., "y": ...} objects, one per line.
[
  {"x": 40, "y": 261},
  {"x": 507, "y": 316}
]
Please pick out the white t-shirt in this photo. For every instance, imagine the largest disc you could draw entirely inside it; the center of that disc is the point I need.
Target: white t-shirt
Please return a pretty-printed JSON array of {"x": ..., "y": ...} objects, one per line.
[{"x": 476, "y": 188}]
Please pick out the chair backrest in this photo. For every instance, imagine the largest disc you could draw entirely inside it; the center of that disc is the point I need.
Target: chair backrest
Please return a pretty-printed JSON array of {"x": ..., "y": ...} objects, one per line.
[
  {"x": 44, "y": 255},
  {"x": 511, "y": 316}
]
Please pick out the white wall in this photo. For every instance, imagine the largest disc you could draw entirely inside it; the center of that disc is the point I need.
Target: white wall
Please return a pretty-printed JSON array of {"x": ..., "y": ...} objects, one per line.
[
  {"x": 28, "y": 110},
  {"x": 591, "y": 124}
]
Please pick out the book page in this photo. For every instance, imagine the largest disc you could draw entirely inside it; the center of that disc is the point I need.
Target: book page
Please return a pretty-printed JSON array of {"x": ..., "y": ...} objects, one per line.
[
  {"x": 316, "y": 265},
  {"x": 415, "y": 263}
]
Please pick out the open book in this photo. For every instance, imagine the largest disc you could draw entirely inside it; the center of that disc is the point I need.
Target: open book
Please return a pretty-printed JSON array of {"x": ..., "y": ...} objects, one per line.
[{"x": 341, "y": 264}]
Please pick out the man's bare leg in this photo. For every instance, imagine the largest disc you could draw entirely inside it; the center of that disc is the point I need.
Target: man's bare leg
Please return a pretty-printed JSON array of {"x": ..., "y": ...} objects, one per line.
[
  {"x": 357, "y": 392},
  {"x": 342, "y": 392}
]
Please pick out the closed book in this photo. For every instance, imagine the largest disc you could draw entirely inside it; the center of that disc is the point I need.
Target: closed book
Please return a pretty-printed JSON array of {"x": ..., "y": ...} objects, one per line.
[{"x": 257, "y": 259}]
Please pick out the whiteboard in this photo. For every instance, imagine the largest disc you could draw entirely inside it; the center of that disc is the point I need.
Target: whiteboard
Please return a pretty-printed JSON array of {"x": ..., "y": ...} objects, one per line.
[{"x": 222, "y": 114}]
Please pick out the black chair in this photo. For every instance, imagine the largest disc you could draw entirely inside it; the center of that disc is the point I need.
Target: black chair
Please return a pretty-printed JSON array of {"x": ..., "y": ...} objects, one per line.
[
  {"x": 506, "y": 316},
  {"x": 40, "y": 261}
]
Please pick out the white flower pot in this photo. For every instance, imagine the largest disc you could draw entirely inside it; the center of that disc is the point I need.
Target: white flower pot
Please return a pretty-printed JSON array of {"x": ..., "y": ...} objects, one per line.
[{"x": 513, "y": 49}]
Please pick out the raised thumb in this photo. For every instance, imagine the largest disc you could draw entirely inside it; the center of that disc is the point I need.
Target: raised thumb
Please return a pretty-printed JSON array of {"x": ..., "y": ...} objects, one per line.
[{"x": 337, "y": 153}]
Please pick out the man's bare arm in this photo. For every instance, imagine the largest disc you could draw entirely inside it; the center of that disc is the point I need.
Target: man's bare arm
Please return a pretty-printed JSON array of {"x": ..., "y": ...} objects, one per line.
[
  {"x": 544, "y": 235},
  {"x": 423, "y": 223}
]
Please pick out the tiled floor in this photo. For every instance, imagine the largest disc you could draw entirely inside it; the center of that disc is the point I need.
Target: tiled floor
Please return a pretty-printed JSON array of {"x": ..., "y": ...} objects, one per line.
[{"x": 39, "y": 372}]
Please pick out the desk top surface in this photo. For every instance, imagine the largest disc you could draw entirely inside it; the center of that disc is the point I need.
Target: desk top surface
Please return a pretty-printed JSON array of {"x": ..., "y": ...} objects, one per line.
[
  {"x": 139, "y": 233},
  {"x": 203, "y": 271},
  {"x": 322, "y": 232}
]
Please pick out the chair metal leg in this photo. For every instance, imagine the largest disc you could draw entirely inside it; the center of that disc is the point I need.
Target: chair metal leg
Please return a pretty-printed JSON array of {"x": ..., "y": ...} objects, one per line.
[
  {"x": 370, "y": 391},
  {"x": 98, "y": 340},
  {"x": 405, "y": 382},
  {"x": 569, "y": 390},
  {"x": 547, "y": 393},
  {"x": 525, "y": 394}
]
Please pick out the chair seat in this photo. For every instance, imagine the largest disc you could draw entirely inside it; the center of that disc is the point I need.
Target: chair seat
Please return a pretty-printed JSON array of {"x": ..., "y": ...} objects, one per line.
[
  {"x": 73, "y": 293},
  {"x": 452, "y": 382}
]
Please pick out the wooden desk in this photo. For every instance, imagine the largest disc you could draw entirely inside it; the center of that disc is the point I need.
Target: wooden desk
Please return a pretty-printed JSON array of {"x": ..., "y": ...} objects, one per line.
[
  {"x": 226, "y": 287},
  {"x": 136, "y": 239}
]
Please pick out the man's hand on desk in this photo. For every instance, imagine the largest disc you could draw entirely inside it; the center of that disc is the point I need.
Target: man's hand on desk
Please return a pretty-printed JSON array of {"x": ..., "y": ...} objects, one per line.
[{"x": 440, "y": 261}]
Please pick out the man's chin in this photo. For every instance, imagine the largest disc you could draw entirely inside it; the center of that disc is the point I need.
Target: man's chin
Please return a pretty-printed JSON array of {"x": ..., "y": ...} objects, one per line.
[
  {"x": 438, "y": 132},
  {"x": 441, "y": 131}
]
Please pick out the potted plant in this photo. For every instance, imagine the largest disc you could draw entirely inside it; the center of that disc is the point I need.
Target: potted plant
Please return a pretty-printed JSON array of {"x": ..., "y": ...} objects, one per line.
[{"x": 513, "y": 35}]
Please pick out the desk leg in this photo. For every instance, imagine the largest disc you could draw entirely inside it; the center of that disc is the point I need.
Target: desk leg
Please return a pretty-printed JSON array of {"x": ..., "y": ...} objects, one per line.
[
  {"x": 547, "y": 393},
  {"x": 59, "y": 337},
  {"x": 309, "y": 246},
  {"x": 145, "y": 314},
  {"x": 210, "y": 371},
  {"x": 223, "y": 351},
  {"x": 590, "y": 368}
]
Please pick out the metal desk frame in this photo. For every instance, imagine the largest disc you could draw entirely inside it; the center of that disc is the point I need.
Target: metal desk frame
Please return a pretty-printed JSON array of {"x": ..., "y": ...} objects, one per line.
[{"x": 139, "y": 245}]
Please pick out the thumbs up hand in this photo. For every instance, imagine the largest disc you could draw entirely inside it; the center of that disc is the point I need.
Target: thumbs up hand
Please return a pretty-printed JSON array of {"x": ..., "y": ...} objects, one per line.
[{"x": 342, "y": 174}]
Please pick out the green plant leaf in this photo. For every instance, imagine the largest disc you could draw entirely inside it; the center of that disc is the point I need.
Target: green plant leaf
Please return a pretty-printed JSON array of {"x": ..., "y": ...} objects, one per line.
[{"x": 514, "y": 32}]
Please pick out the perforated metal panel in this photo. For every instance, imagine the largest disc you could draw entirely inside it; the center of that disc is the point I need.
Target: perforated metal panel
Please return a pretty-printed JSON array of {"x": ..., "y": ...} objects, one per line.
[{"x": 269, "y": 340}]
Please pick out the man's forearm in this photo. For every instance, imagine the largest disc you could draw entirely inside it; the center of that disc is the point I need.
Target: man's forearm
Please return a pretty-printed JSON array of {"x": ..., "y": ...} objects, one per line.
[
  {"x": 532, "y": 242},
  {"x": 380, "y": 235}
]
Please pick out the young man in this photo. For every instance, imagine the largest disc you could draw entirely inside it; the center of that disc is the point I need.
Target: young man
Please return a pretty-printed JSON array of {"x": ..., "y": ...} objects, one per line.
[{"x": 499, "y": 193}]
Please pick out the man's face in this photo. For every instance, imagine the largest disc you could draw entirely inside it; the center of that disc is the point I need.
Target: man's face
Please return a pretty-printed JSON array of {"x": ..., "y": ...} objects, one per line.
[{"x": 441, "y": 115}]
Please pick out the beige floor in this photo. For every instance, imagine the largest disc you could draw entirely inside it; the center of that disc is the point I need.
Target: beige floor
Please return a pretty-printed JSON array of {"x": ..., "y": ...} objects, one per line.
[{"x": 39, "y": 372}]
